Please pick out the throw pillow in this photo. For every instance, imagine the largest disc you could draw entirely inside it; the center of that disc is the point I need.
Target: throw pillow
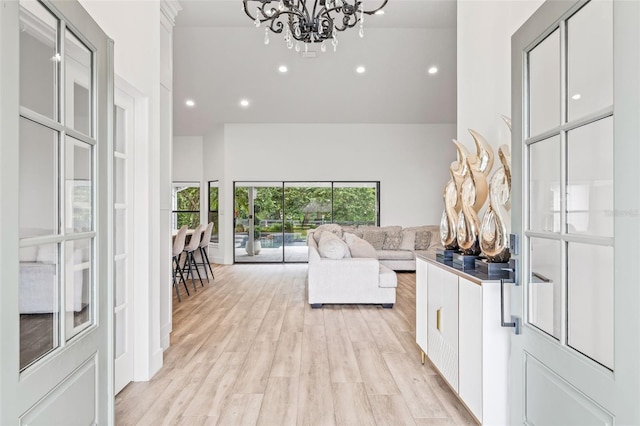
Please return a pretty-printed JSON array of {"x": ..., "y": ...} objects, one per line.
[
  {"x": 331, "y": 227},
  {"x": 359, "y": 247},
  {"x": 423, "y": 239},
  {"x": 408, "y": 240},
  {"x": 375, "y": 237},
  {"x": 393, "y": 237},
  {"x": 332, "y": 247}
]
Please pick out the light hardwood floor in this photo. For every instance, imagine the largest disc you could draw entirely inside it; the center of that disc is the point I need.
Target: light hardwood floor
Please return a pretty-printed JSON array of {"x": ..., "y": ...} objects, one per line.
[{"x": 247, "y": 349}]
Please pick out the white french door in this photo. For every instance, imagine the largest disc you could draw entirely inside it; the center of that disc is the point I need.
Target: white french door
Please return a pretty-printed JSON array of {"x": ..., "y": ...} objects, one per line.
[
  {"x": 124, "y": 134},
  {"x": 575, "y": 104},
  {"x": 56, "y": 81}
]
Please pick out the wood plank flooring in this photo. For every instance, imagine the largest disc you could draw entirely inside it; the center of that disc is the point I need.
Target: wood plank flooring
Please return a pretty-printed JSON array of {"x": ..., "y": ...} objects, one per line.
[{"x": 247, "y": 349}]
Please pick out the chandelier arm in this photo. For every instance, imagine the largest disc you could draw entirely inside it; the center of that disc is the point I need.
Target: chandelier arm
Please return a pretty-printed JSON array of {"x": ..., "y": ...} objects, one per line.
[{"x": 371, "y": 12}]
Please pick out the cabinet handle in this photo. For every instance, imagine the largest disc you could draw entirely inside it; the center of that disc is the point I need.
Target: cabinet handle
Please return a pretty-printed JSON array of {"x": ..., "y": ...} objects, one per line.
[{"x": 438, "y": 319}]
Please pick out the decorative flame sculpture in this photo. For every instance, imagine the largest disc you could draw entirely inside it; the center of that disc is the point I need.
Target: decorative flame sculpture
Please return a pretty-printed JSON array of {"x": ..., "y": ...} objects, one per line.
[
  {"x": 494, "y": 231},
  {"x": 452, "y": 203},
  {"x": 473, "y": 195}
]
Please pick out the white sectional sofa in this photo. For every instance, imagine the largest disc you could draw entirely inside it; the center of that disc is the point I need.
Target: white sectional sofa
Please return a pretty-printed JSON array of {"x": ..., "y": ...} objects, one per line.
[{"x": 348, "y": 279}]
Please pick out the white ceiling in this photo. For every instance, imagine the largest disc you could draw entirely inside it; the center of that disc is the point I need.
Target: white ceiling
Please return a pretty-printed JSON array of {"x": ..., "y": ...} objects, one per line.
[{"x": 220, "y": 58}]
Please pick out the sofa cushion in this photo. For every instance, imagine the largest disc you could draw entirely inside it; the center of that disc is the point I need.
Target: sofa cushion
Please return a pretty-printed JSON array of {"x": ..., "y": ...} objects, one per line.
[
  {"x": 388, "y": 278},
  {"x": 395, "y": 254},
  {"x": 359, "y": 247},
  {"x": 408, "y": 240},
  {"x": 375, "y": 237},
  {"x": 332, "y": 247},
  {"x": 393, "y": 237}
]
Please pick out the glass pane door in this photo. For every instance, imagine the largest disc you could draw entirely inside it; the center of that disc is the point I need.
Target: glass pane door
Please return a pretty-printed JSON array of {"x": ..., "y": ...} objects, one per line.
[
  {"x": 569, "y": 154},
  {"x": 306, "y": 204},
  {"x": 259, "y": 221}
]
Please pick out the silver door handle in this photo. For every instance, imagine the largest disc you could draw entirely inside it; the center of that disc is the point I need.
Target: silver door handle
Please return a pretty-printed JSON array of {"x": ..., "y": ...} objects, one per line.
[{"x": 515, "y": 321}]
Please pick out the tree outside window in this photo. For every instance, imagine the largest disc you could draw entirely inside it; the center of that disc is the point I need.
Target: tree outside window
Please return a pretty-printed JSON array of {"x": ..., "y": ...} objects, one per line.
[
  {"x": 214, "y": 191},
  {"x": 185, "y": 202}
]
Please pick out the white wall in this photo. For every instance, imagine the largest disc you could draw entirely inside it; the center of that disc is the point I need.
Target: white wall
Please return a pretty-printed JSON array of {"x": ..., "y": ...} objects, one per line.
[
  {"x": 410, "y": 161},
  {"x": 135, "y": 28},
  {"x": 186, "y": 166},
  {"x": 484, "y": 66}
]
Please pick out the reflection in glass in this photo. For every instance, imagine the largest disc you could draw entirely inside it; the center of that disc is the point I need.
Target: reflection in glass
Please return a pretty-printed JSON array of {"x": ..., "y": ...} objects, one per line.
[
  {"x": 38, "y": 302},
  {"x": 590, "y": 301},
  {"x": 590, "y": 179},
  {"x": 79, "y": 186},
  {"x": 38, "y": 59},
  {"x": 545, "y": 285},
  {"x": 78, "y": 285},
  {"x": 544, "y": 190},
  {"x": 590, "y": 59},
  {"x": 78, "y": 74},
  {"x": 544, "y": 85},
  {"x": 38, "y": 183}
]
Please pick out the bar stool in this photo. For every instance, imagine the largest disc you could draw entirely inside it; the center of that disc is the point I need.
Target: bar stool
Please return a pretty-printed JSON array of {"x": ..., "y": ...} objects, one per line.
[
  {"x": 204, "y": 249},
  {"x": 178, "y": 247},
  {"x": 194, "y": 244}
]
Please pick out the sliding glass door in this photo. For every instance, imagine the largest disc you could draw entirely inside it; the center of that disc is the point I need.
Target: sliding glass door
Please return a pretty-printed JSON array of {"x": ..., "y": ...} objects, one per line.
[{"x": 272, "y": 219}]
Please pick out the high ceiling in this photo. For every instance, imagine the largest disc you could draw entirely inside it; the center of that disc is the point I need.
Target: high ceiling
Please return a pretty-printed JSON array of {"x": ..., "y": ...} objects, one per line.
[{"x": 220, "y": 58}]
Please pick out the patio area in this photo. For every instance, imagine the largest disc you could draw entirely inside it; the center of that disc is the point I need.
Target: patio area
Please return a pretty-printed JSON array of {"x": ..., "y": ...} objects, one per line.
[{"x": 275, "y": 255}]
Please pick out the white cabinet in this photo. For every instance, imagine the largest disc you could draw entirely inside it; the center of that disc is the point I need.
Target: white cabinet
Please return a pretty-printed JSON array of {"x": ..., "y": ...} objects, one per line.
[
  {"x": 442, "y": 322},
  {"x": 463, "y": 337}
]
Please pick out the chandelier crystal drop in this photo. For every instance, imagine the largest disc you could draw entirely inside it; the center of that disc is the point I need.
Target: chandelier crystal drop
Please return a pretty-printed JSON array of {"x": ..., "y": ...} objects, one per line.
[{"x": 309, "y": 21}]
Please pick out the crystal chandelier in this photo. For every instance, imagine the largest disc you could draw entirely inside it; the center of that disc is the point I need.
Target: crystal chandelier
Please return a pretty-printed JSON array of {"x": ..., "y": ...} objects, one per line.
[{"x": 308, "y": 21}]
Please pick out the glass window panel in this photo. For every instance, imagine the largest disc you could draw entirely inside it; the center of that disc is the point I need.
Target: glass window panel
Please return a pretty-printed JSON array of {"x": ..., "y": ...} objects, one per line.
[
  {"x": 544, "y": 185},
  {"x": 79, "y": 186},
  {"x": 355, "y": 203},
  {"x": 38, "y": 184},
  {"x": 121, "y": 283},
  {"x": 78, "y": 75},
  {"x": 119, "y": 190},
  {"x": 590, "y": 179},
  {"x": 185, "y": 201},
  {"x": 120, "y": 231},
  {"x": 544, "y": 85},
  {"x": 38, "y": 59},
  {"x": 121, "y": 333},
  {"x": 38, "y": 302},
  {"x": 78, "y": 285},
  {"x": 120, "y": 142},
  {"x": 545, "y": 289},
  {"x": 214, "y": 205},
  {"x": 590, "y": 59},
  {"x": 590, "y": 301}
]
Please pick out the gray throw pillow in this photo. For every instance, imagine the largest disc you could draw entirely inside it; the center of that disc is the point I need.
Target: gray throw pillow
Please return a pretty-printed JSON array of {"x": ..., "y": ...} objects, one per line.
[
  {"x": 375, "y": 237},
  {"x": 423, "y": 239},
  {"x": 393, "y": 237}
]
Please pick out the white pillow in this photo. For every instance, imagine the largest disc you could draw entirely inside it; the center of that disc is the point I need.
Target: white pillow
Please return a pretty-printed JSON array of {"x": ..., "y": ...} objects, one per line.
[
  {"x": 332, "y": 247},
  {"x": 359, "y": 247},
  {"x": 408, "y": 240}
]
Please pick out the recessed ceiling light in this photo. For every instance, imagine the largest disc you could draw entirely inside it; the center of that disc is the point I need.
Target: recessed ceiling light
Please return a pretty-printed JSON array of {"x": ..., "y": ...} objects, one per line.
[
  {"x": 576, "y": 96},
  {"x": 433, "y": 70},
  {"x": 189, "y": 102},
  {"x": 283, "y": 69},
  {"x": 361, "y": 69},
  {"x": 380, "y": 12},
  {"x": 244, "y": 103}
]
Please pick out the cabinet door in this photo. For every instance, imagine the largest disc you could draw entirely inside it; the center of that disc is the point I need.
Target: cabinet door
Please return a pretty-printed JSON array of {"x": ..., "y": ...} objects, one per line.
[
  {"x": 442, "y": 322},
  {"x": 421, "y": 304},
  {"x": 470, "y": 349}
]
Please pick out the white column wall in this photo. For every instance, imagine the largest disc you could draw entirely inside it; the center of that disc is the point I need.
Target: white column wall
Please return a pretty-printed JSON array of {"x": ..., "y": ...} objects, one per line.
[
  {"x": 484, "y": 66},
  {"x": 135, "y": 28}
]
